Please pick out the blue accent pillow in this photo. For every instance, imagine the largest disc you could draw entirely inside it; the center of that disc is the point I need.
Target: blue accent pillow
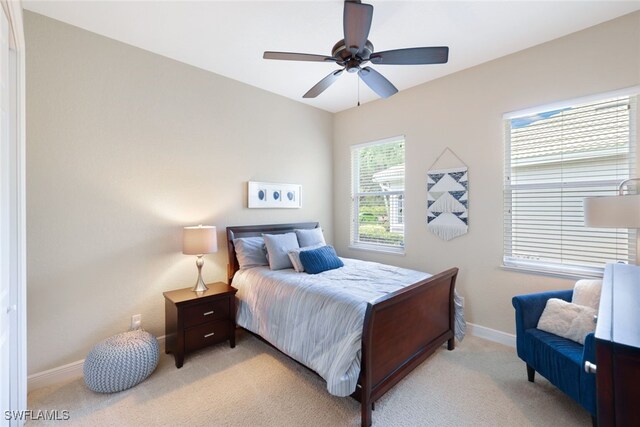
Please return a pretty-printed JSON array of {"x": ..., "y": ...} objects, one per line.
[
  {"x": 294, "y": 256},
  {"x": 318, "y": 260}
]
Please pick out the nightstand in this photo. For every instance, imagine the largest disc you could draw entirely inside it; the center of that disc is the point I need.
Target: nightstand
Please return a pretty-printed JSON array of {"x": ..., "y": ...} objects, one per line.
[{"x": 196, "y": 320}]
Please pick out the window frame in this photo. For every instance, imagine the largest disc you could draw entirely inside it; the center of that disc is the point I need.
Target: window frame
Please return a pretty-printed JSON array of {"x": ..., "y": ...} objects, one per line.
[
  {"x": 549, "y": 268},
  {"x": 354, "y": 242}
]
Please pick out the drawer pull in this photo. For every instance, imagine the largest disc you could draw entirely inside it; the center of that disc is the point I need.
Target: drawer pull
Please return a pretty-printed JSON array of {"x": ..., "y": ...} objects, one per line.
[
  {"x": 208, "y": 313},
  {"x": 209, "y": 335}
]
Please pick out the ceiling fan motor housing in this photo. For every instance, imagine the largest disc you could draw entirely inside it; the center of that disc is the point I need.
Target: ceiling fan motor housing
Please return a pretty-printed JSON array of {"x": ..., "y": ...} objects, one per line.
[{"x": 347, "y": 59}]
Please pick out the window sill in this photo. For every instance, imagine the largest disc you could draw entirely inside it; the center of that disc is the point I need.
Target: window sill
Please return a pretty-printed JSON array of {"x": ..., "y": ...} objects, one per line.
[
  {"x": 377, "y": 249},
  {"x": 549, "y": 273}
]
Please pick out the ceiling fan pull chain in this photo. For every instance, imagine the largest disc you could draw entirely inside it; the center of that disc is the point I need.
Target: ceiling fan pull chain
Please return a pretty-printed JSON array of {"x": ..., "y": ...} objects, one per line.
[{"x": 358, "y": 79}]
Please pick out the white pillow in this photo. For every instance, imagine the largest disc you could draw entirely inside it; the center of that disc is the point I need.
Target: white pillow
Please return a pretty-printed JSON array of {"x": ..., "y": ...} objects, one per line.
[
  {"x": 278, "y": 247},
  {"x": 568, "y": 320},
  {"x": 587, "y": 293},
  {"x": 294, "y": 256},
  {"x": 310, "y": 237}
]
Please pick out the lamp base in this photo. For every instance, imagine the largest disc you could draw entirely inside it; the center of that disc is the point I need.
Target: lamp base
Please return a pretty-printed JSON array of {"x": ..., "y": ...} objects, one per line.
[{"x": 200, "y": 285}]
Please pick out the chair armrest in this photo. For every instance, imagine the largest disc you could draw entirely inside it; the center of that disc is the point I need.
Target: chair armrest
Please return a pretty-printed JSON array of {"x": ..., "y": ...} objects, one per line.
[{"x": 529, "y": 308}]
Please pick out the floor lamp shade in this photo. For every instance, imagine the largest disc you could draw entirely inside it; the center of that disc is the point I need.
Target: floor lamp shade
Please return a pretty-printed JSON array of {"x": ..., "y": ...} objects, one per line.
[
  {"x": 199, "y": 240},
  {"x": 621, "y": 211}
]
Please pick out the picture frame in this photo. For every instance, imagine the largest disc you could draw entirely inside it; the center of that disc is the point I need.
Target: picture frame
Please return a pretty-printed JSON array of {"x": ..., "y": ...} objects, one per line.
[{"x": 270, "y": 195}]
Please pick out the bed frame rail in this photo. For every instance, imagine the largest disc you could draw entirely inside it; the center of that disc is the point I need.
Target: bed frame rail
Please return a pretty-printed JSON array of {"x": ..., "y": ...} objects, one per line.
[{"x": 401, "y": 330}]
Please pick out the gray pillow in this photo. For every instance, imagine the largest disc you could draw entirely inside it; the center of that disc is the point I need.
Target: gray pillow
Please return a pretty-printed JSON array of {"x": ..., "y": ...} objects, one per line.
[
  {"x": 310, "y": 237},
  {"x": 250, "y": 252},
  {"x": 278, "y": 247}
]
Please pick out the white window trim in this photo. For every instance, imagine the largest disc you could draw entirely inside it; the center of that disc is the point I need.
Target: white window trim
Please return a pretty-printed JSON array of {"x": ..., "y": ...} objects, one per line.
[
  {"x": 629, "y": 91},
  {"x": 16, "y": 216},
  {"x": 378, "y": 142},
  {"x": 373, "y": 247},
  {"x": 548, "y": 268},
  {"x": 368, "y": 247},
  {"x": 559, "y": 271}
]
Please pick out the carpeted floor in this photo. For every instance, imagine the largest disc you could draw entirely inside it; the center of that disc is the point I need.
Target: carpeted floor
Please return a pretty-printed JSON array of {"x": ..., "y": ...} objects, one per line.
[{"x": 480, "y": 383}]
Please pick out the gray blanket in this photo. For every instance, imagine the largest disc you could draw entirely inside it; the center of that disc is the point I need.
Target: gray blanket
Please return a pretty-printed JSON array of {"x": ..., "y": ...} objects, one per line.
[{"x": 317, "y": 319}]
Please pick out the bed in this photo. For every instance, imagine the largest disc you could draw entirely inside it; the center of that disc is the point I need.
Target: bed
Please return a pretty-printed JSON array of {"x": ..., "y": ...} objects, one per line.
[{"x": 396, "y": 329}]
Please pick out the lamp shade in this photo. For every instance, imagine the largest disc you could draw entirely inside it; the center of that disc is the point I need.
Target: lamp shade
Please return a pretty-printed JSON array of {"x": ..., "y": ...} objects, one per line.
[
  {"x": 199, "y": 240},
  {"x": 612, "y": 211}
]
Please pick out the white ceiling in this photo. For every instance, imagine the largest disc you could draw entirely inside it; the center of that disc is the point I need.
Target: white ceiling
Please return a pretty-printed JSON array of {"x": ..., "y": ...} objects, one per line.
[{"x": 229, "y": 37}]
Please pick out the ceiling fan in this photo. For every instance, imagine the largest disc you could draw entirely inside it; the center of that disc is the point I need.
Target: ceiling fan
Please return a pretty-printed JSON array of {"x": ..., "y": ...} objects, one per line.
[{"x": 356, "y": 50}]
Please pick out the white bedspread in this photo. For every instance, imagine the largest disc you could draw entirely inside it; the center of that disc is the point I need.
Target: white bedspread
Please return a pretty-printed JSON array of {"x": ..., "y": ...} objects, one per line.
[{"x": 317, "y": 319}]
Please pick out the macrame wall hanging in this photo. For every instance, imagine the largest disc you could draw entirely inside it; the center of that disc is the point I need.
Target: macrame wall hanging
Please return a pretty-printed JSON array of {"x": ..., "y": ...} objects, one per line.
[{"x": 448, "y": 197}]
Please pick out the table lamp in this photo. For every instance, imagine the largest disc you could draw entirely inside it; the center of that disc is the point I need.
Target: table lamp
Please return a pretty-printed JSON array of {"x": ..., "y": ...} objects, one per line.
[{"x": 198, "y": 241}]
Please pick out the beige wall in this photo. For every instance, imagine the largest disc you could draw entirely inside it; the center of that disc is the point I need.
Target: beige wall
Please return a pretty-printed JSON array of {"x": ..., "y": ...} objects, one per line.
[
  {"x": 464, "y": 112},
  {"x": 124, "y": 147}
]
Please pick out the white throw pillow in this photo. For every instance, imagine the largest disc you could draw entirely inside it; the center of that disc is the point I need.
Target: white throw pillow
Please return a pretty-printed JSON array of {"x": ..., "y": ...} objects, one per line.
[
  {"x": 568, "y": 320},
  {"x": 587, "y": 293}
]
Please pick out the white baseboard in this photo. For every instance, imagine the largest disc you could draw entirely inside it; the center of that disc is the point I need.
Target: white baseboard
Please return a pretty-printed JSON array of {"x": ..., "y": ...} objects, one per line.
[
  {"x": 56, "y": 375},
  {"x": 64, "y": 373},
  {"x": 491, "y": 335},
  {"x": 74, "y": 370}
]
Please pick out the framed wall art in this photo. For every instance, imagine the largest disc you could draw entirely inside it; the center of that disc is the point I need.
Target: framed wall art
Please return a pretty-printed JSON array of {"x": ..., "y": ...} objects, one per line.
[{"x": 273, "y": 195}]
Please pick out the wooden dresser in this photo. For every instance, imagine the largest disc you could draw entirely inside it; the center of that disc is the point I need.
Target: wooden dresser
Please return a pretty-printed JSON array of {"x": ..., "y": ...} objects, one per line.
[
  {"x": 618, "y": 347},
  {"x": 194, "y": 320}
]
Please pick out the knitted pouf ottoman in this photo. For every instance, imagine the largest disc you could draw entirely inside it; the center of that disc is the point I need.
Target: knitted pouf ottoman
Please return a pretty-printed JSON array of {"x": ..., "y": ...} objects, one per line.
[{"x": 122, "y": 361}]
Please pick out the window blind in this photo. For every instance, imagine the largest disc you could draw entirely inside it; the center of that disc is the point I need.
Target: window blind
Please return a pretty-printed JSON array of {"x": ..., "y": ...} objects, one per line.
[
  {"x": 378, "y": 194},
  {"x": 554, "y": 160}
]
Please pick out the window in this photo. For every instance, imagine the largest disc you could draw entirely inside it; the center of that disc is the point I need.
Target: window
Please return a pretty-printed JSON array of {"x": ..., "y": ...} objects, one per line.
[
  {"x": 378, "y": 195},
  {"x": 554, "y": 159}
]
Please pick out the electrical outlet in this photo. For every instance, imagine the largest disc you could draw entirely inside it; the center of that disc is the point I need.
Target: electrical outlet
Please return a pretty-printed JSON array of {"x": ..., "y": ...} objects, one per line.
[{"x": 136, "y": 321}]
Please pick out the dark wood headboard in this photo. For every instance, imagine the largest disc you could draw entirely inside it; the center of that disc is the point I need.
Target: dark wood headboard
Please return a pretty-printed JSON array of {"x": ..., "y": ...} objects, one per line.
[{"x": 256, "y": 230}]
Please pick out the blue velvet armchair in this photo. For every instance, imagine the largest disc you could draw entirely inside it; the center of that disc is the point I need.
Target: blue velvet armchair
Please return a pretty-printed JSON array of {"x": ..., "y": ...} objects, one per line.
[{"x": 558, "y": 359}]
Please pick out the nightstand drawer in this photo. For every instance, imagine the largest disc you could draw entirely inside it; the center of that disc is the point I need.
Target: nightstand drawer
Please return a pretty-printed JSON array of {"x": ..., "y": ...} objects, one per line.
[
  {"x": 204, "y": 335},
  {"x": 196, "y": 320},
  {"x": 206, "y": 312}
]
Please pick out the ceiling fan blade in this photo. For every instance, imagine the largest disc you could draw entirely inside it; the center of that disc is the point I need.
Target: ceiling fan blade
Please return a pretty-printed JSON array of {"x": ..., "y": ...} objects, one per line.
[
  {"x": 290, "y": 56},
  {"x": 412, "y": 56},
  {"x": 323, "y": 84},
  {"x": 377, "y": 82},
  {"x": 357, "y": 23}
]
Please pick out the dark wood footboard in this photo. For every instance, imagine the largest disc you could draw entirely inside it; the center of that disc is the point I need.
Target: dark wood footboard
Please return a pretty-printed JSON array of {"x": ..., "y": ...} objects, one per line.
[{"x": 400, "y": 331}]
